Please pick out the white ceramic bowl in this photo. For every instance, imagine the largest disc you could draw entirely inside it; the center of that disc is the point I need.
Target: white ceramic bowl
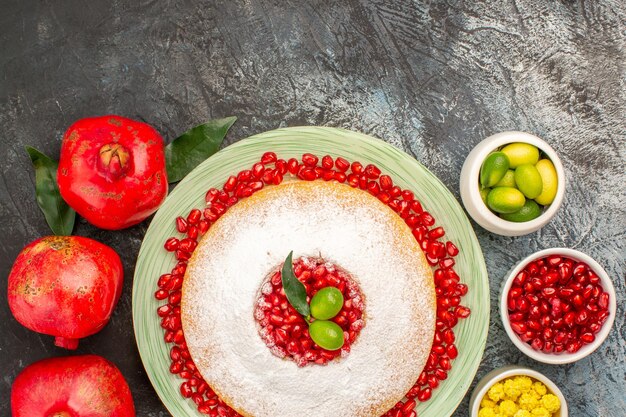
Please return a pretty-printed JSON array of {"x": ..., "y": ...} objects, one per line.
[
  {"x": 508, "y": 371},
  {"x": 470, "y": 191},
  {"x": 564, "y": 357}
]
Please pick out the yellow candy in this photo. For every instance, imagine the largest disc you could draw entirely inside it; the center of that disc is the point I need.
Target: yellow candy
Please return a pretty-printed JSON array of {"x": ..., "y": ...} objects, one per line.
[
  {"x": 496, "y": 393},
  {"x": 487, "y": 412},
  {"x": 519, "y": 396},
  {"x": 508, "y": 408},
  {"x": 551, "y": 403},
  {"x": 487, "y": 403},
  {"x": 523, "y": 382},
  {"x": 511, "y": 389},
  {"x": 541, "y": 412},
  {"x": 528, "y": 401},
  {"x": 540, "y": 388}
]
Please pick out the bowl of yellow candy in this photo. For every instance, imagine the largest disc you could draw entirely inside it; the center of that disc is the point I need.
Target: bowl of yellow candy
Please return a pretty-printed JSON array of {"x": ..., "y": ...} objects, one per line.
[{"x": 514, "y": 391}]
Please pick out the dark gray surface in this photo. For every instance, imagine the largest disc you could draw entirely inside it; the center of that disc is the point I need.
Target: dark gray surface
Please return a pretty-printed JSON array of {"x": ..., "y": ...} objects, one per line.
[{"x": 433, "y": 79}]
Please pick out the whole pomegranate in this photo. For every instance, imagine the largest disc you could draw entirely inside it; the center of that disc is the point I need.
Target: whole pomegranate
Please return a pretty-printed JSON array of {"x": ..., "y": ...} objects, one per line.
[
  {"x": 72, "y": 386},
  {"x": 65, "y": 286},
  {"x": 112, "y": 171}
]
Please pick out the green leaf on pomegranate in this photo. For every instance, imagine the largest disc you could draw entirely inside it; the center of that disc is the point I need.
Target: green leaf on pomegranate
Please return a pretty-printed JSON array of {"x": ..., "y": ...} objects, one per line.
[
  {"x": 294, "y": 289},
  {"x": 194, "y": 146},
  {"x": 59, "y": 215}
]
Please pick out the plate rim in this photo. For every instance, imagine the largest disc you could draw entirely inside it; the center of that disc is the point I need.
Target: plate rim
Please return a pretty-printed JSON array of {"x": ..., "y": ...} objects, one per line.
[{"x": 478, "y": 262}]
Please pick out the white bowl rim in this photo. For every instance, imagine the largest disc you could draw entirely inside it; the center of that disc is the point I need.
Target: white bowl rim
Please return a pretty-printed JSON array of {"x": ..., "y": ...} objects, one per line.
[
  {"x": 506, "y": 372},
  {"x": 471, "y": 194},
  {"x": 565, "y": 357}
]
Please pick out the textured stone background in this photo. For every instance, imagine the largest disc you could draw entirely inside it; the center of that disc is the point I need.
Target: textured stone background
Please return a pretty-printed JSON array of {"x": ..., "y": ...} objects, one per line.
[{"x": 433, "y": 79}]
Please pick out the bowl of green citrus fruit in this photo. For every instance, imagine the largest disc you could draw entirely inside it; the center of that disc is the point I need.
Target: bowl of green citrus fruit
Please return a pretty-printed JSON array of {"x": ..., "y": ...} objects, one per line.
[{"x": 512, "y": 183}]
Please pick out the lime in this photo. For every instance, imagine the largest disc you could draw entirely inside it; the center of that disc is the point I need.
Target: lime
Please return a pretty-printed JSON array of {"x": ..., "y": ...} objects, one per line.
[
  {"x": 493, "y": 169},
  {"x": 550, "y": 182},
  {"x": 508, "y": 180},
  {"x": 505, "y": 200},
  {"x": 529, "y": 211},
  {"x": 484, "y": 192},
  {"x": 326, "y": 303},
  {"x": 528, "y": 180},
  {"x": 327, "y": 334},
  {"x": 520, "y": 154}
]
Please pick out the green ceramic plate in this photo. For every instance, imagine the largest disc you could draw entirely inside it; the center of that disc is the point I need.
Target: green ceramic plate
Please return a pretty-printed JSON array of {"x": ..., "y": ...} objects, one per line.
[{"x": 292, "y": 142}]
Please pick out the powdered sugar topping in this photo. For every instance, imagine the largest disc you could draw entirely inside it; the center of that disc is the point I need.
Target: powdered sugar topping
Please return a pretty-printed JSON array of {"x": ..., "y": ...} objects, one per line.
[{"x": 347, "y": 227}]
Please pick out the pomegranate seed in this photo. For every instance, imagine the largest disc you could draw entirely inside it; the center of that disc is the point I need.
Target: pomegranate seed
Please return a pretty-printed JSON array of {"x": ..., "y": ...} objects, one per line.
[
  {"x": 293, "y": 166},
  {"x": 258, "y": 170},
  {"x": 340, "y": 177},
  {"x": 427, "y": 219},
  {"x": 194, "y": 216},
  {"x": 356, "y": 167},
  {"x": 161, "y": 294},
  {"x": 281, "y": 167},
  {"x": 327, "y": 162},
  {"x": 211, "y": 196},
  {"x": 164, "y": 310},
  {"x": 372, "y": 171},
  {"x": 171, "y": 244},
  {"x": 193, "y": 231},
  {"x": 587, "y": 338},
  {"x": 181, "y": 225},
  {"x": 342, "y": 164},
  {"x": 309, "y": 159},
  {"x": 436, "y": 233},
  {"x": 451, "y": 249},
  {"x": 363, "y": 182},
  {"x": 268, "y": 158},
  {"x": 385, "y": 182},
  {"x": 579, "y": 270},
  {"x": 518, "y": 327},
  {"x": 603, "y": 301},
  {"x": 373, "y": 188},
  {"x": 268, "y": 176},
  {"x": 425, "y": 394},
  {"x": 553, "y": 260},
  {"x": 307, "y": 174},
  {"x": 244, "y": 176},
  {"x": 446, "y": 263}
]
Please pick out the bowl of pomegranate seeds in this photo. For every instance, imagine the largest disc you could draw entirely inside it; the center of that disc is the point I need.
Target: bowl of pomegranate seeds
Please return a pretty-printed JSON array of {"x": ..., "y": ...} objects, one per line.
[
  {"x": 558, "y": 305},
  {"x": 517, "y": 391},
  {"x": 512, "y": 183}
]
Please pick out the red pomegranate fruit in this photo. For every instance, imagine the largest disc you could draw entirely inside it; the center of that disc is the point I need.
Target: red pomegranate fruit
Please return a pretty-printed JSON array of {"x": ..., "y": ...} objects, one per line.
[
  {"x": 65, "y": 286},
  {"x": 112, "y": 171},
  {"x": 73, "y": 386}
]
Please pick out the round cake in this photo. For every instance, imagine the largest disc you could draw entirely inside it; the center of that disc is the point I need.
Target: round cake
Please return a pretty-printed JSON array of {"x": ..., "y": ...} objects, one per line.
[{"x": 350, "y": 229}]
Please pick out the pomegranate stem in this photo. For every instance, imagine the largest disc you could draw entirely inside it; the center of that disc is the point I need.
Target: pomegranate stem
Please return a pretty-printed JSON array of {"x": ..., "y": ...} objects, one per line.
[{"x": 66, "y": 343}]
